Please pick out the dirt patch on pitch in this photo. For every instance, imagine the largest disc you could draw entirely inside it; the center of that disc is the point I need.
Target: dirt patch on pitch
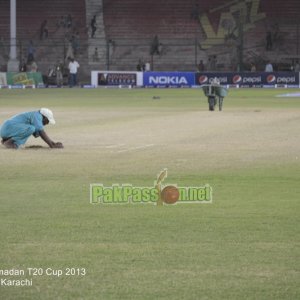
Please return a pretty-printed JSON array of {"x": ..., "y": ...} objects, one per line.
[{"x": 190, "y": 140}]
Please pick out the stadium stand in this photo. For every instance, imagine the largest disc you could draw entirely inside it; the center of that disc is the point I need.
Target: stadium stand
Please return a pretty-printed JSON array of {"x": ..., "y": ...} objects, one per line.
[
  {"x": 215, "y": 32},
  {"x": 170, "y": 20},
  {"x": 126, "y": 28},
  {"x": 30, "y": 15}
]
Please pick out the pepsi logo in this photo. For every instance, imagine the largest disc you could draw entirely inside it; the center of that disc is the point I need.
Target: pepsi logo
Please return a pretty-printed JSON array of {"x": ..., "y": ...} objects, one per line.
[
  {"x": 203, "y": 79},
  {"x": 236, "y": 79},
  {"x": 271, "y": 78}
]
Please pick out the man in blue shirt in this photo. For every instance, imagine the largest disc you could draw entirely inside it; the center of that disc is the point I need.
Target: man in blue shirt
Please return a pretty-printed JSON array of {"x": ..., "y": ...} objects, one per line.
[{"x": 16, "y": 131}]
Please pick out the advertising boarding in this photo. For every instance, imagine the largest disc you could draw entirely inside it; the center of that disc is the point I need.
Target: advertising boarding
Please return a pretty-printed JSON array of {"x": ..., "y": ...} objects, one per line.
[
  {"x": 169, "y": 79},
  {"x": 249, "y": 79}
]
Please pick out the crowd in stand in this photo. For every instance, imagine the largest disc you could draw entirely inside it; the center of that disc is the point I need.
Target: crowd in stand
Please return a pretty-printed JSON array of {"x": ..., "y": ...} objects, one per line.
[
  {"x": 67, "y": 66},
  {"x": 71, "y": 33},
  {"x": 211, "y": 66},
  {"x": 72, "y": 42}
]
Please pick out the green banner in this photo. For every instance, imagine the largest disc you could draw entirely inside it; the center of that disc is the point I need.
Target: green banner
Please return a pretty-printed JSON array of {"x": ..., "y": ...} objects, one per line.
[{"x": 28, "y": 78}]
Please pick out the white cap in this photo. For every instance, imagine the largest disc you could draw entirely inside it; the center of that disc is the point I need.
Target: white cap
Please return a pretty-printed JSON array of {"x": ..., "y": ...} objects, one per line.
[{"x": 48, "y": 114}]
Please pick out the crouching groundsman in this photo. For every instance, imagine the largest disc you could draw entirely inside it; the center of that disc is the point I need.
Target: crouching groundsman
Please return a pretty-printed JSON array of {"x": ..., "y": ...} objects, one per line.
[{"x": 16, "y": 131}]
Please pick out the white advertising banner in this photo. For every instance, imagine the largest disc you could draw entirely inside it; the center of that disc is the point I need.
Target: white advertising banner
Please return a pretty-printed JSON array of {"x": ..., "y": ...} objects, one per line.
[{"x": 116, "y": 78}]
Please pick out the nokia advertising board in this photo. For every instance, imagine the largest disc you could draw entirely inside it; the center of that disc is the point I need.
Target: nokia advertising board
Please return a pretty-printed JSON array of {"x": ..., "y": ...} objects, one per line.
[
  {"x": 169, "y": 79},
  {"x": 249, "y": 79}
]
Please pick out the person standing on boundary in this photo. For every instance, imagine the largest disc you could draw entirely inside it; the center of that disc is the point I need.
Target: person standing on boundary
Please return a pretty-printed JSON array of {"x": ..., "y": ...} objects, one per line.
[
  {"x": 16, "y": 130},
  {"x": 73, "y": 67}
]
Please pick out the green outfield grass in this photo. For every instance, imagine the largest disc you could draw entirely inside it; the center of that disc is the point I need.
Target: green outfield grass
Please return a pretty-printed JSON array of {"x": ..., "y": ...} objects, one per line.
[{"x": 244, "y": 245}]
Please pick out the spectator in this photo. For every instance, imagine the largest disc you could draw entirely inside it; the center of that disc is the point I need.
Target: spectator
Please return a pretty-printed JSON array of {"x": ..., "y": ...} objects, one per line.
[
  {"x": 33, "y": 67},
  {"x": 112, "y": 46},
  {"x": 75, "y": 42},
  {"x": 269, "y": 41},
  {"x": 275, "y": 33},
  {"x": 61, "y": 22},
  {"x": 212, "y": 63},
  {"x": 69, "y": 21},
  {"x": 140, "y": 66},
  {"x": 93, "y": 26},
  {"x": 269, "y": 67},
  {"x": 23, "y": 66},
  {"x": 154, "y": 46},
  {"x": 59, "y": 74},
  {"x": 147, "y": 67},
  {"x": 209, "y": 64},
  {"x": 44, "y": 30},
  {"x": 201, "y": 66},
  {"x": 2, "y": 44},
  {"x": 160, "y": 48},
  {"x": 73, "y": 68},
  {"x": 195, "y": 12},
  {"x": 297, "y": 67},
  {"x": 252, "y": 67},
  {"x": 70, "y": 52},
  {"x": 96, "y": 55},
  {"x": 30, "y": 52}
]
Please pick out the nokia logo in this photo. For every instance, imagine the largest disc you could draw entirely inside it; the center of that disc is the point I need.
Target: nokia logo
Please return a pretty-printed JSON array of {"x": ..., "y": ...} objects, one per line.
[{"x": 168, "y": 80}]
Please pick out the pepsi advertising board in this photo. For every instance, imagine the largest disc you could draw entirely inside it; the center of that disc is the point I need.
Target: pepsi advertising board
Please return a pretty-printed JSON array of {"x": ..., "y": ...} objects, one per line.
[
  {"x": 169, "y": 79},
  {"x": 281, "y": 78},
  {"x": 208, "y": 77},
  {"x": 249, "y": 79}
]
